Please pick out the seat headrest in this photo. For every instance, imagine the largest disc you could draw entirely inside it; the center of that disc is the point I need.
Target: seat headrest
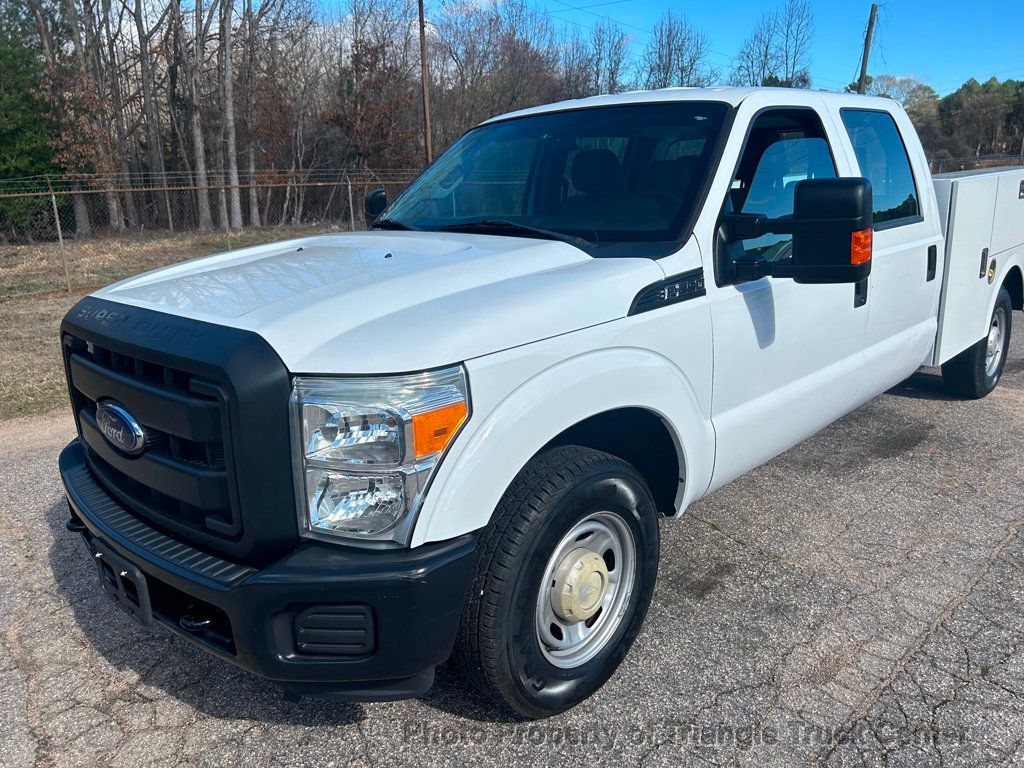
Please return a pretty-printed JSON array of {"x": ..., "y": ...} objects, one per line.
[
  {"x": 596, "y": 170},
  {"x": 672, "y": 176}
]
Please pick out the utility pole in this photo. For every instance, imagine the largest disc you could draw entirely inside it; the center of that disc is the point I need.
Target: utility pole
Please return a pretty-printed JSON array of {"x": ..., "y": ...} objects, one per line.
[
  {"x": 862, "y": 84},
  {"x": 425, "y": 77}
]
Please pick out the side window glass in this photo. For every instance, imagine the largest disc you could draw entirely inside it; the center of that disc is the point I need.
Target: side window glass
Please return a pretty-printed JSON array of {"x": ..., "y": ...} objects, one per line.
[
  {"x": 783, "y": 149},
  {"x": 883, "y": 160}
]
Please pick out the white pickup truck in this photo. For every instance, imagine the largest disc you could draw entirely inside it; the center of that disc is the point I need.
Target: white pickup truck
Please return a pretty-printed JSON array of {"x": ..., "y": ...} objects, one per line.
[{"x": 340, "y": 460}]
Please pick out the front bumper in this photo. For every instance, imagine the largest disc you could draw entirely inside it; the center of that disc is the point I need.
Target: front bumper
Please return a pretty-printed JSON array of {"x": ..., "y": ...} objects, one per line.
[{"x": 399, "y": 608}]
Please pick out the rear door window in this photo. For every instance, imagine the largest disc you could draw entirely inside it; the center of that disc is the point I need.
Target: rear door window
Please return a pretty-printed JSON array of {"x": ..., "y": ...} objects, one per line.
[{"x": 883, "y": 160}]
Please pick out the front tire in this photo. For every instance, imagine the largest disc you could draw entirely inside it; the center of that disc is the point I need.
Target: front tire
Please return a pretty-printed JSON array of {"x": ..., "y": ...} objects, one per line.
[
  {"x": 562, "y": 583},
  {"x": 975, "y": 372}
]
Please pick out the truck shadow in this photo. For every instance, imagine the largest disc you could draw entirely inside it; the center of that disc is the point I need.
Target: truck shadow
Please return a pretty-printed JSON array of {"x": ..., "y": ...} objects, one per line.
[
  {"x": 922, "y": 386},
  {"x": 164, "y": 661},
  {"x": 455, "y": 696}
]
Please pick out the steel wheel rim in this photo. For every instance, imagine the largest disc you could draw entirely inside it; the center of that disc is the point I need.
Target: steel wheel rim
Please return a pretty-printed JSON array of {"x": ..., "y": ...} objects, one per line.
[
  {"x": 581, "y": 641},
  {"x": 994, "y": 346}
]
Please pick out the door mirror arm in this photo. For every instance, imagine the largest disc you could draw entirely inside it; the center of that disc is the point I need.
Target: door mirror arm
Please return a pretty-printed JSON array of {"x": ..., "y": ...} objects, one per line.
[{"x": 747, "y": 226}]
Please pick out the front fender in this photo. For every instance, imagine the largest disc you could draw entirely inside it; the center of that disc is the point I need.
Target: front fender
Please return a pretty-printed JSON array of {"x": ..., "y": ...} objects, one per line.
[{"x": 497, "y": 443}]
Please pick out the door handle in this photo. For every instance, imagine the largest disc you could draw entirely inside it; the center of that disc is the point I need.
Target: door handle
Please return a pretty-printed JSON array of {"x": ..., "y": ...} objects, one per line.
[
  {"x": 984, "y": 263},
  {"x": 933, "y": 260}
]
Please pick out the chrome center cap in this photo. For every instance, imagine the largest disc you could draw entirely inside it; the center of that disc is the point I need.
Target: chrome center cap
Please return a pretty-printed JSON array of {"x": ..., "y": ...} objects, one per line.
[{"x": 580, "y": 585}]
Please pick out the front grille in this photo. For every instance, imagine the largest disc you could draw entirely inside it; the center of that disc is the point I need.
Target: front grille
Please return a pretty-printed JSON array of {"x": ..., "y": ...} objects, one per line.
[
  {"x": 216, "y": 472},
  {"x": 183, "y": 480}
]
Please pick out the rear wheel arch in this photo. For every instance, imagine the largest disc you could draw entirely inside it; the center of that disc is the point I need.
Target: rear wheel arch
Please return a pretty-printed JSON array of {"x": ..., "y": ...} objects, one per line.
[{"x": 1014, "y": 285}]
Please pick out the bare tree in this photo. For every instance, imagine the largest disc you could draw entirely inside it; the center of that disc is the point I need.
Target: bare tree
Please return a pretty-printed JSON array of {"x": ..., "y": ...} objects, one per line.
[
  {"x": 64, "y": 113},
  {"x": 777, "y": 52},
  {"x": 193, "y": 65},
  {"x": 757, "y": 61},
  {"x": 251, "y": 22},
  {"x": 609, "y": 44},
  {"x": 154, "y": 144},
  {"x": 228, "y": 109},
  {"x": 117, "y": 104},
  {"x": 578, "y": 66},
  {"x": 795, "y": 33},
  {"x": 677, "y": 55},
  {"x": 496, "y": 58}
]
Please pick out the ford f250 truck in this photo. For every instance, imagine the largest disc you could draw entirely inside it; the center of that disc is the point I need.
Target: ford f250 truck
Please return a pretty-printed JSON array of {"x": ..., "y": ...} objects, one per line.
[{"x": 340, "y": 461}]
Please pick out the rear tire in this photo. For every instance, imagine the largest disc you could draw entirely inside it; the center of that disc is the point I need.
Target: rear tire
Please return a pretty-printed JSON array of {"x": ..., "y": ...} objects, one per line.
[
  {"x": 976, "y": 371},
  {"x": 535, "y": 636}
]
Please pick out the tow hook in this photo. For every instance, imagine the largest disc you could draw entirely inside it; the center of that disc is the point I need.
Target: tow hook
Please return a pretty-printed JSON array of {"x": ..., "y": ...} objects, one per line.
[{"x": 194, "y": 623}]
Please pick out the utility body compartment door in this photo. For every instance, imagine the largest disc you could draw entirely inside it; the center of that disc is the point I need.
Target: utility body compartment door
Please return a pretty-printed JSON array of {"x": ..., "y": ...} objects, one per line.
[{"x": 983, "y": 216}]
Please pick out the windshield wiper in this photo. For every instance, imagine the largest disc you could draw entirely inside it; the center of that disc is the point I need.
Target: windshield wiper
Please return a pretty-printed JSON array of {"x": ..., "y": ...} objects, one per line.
[
  {"x": 392, "y": 224},
  {"x": 503, "y": 227}
]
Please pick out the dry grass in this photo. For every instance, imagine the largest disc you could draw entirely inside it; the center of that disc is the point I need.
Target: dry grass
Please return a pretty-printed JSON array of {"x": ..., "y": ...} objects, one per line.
[{"x": 31, "y": 371}]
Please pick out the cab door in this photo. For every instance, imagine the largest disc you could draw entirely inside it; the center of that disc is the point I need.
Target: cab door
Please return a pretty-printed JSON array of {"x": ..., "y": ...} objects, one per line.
[
  {"x": 787, "y": 357},
  {"x": 905, "y": 280}
]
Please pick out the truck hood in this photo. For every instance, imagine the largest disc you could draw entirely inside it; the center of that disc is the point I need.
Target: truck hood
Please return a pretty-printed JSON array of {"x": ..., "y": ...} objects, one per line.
[{"x": 378, "y": 302}]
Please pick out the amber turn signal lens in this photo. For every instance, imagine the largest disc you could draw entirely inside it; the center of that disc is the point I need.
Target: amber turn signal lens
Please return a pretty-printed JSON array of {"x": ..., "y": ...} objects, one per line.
[
  {"x": 432, "y": 430},
  {"x": 860, "y": 246}
]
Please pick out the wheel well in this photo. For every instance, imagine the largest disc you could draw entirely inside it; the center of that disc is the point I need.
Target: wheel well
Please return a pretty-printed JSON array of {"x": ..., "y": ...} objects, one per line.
[
  {"x": 638, "y": 437},
  {"x": 1015, "y": 286}
]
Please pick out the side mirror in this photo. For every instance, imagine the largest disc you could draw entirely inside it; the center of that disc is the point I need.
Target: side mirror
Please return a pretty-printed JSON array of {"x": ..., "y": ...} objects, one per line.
[
  {"x": 836, "y": 242},
  {"x": 831, "y": 228},
  {"x": 374, "y": 204}
]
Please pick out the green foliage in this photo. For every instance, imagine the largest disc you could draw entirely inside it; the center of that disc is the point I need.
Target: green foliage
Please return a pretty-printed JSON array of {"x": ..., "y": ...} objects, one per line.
[
  {"x": 977, "y": 119},
  {"x": 985, "y": 118},
  {"x": 25, "y": 129}
]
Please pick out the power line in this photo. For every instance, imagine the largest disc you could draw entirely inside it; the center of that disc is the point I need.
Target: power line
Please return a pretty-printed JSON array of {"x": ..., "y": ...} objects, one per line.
[
  {"x": 961, "y": 82},
  {"x": 594, "y": 5},
  {"x": 601, "y": 16},
  {"x": 589, "y": 28}
]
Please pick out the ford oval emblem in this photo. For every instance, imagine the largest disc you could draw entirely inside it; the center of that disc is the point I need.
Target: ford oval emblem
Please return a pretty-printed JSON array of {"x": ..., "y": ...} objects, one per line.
[{"x": 120, "y": 428}]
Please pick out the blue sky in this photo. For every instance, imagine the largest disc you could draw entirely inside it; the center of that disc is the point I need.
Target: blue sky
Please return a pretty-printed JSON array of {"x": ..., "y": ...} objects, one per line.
[{"x": 942, "y": 42}]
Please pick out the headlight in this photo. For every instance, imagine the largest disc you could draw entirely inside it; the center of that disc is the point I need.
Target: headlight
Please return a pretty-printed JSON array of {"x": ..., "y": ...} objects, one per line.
[{"x": 367, "y": 447}]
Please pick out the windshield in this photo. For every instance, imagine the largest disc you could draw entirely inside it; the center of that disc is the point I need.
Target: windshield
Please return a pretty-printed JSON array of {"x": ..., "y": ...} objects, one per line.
[{"x": 617, "y": 181}]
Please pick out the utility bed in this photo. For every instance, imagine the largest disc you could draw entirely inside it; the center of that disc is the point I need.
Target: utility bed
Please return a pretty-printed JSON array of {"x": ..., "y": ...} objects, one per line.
[{"x": 982, "y": 214}]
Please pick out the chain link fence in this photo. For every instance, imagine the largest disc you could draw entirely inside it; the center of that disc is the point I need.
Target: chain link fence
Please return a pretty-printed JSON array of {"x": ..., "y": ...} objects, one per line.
[
  {"x": 953, "y": 164},
  {"x": 75, "y": 234},
  {"x": 81, "y": 233}
]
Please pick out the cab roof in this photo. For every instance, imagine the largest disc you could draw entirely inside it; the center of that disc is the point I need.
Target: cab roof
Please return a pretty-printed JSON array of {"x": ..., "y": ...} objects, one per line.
[{"x": 730, "y": 95}]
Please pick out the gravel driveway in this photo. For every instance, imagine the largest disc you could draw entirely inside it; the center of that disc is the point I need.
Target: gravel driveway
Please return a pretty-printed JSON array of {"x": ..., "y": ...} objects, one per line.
[{"x": 857, "y": 601}]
